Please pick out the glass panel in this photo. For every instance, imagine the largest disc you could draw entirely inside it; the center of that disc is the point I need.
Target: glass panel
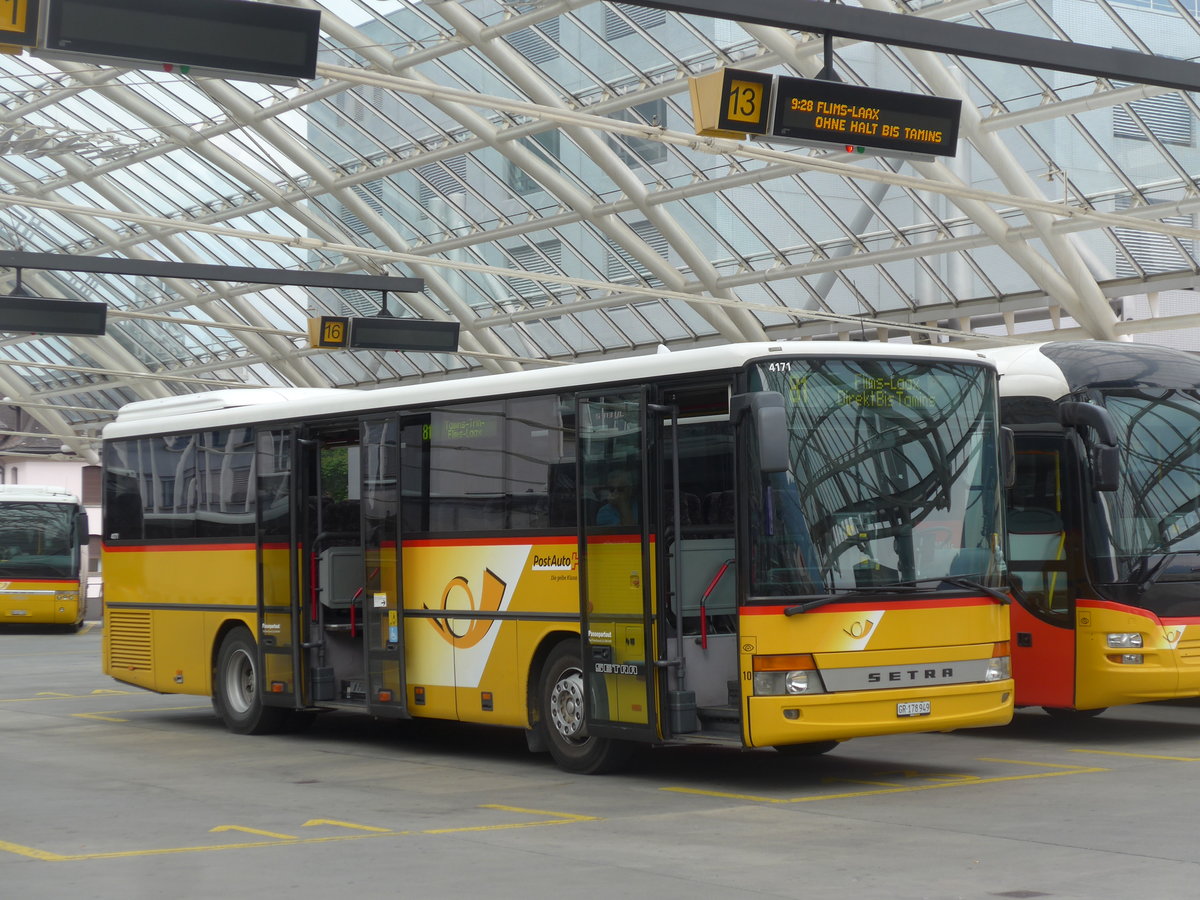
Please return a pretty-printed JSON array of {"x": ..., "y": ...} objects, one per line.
[
  {"x": 618, "y": 573},
  {"x": 893, "y": 478},
  {"x": 38, "y": 540}
]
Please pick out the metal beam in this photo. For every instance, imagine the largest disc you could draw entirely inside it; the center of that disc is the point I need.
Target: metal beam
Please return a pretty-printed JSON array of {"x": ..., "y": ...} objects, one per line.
[
  {"x": 16, "y": 259},
  {"x": 921, "y": 33}
]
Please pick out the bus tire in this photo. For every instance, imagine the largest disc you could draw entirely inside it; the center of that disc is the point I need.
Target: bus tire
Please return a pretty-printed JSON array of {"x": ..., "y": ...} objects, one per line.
[
  {"x": 812, "y": 748},
  {"x": 236, "y": 697},
  {"x": 562, "y": 718},
  {"x": 1067, "y": 714}
]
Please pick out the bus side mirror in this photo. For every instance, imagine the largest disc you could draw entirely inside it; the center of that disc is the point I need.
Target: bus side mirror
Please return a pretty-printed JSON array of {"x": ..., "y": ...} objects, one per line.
[
  {"x": 1106, "y": 467},
  {"x": 769, "y": 421},
  {"x": 1104, "y": 452},
  {"x": 1008, "y": 456},
  {"x": 81, "y": 528}
]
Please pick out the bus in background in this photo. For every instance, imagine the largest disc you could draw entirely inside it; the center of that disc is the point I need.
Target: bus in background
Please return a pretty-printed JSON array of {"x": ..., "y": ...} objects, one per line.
[
  {"x": 1103, "y": 523},
  {"x": 765, "y": 545},
  {"x": 43, "y": 533}
]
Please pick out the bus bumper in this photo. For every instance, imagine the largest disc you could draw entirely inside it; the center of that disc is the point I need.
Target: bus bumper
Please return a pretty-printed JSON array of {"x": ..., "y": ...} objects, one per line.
[
  {"x": 42, "y": 608},
  {"x": 776, "y": 721}
]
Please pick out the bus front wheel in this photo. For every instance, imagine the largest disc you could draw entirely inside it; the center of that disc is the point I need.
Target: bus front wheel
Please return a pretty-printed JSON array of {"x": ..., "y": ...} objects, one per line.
[
  {"x": 236, "y": 695},
  {"x": 561, "y": 708}
]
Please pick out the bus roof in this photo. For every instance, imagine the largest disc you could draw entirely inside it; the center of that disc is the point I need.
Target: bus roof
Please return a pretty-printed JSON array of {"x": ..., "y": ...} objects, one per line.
[
  {"x": 253, "y": 405},
  {"x": 36, "y": 493},
  {"x": 1055, "y": 369}
]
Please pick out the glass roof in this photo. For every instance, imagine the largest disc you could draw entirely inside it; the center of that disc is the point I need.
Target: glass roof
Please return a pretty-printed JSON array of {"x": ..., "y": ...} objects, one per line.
[{"x": 537, "y": 166}]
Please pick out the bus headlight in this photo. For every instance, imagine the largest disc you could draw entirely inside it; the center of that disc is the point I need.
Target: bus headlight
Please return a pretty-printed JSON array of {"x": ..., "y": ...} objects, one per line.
[
  {"x": 998, "y": 669},
  {"x": 1124, "y": 640},
  {"x": 786, "y": 674}
]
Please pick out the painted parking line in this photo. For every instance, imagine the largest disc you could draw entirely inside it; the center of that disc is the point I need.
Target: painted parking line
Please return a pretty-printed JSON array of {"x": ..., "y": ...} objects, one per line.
[
  {"x": 46, "y": 696},
  {"x": 112, "y": 715},
  {"x": 359, "y": 832},
  {"x": 935, "y": 781},
  {"x": 1139, "y": 755}
]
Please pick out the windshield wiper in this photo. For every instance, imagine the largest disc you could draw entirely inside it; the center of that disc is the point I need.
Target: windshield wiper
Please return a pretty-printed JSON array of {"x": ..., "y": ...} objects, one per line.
[
  {"x": 906, "y": 587},
  {"x": 822, "y": 599},
  {"x": 964, "y": 582}
]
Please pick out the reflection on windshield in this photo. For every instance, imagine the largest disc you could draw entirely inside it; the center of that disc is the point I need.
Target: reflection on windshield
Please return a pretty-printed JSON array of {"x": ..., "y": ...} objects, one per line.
[
  {"x": 893, "y": 478},
  {"x": 1154, "y": 515},
  {"x": 37, "y": 540}
]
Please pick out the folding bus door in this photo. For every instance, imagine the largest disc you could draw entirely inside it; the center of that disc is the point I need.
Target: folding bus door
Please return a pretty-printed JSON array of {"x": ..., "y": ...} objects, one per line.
[
  {"x": 279, "y": 576},
  {"x": 383, "y": 607},
  {"x": 617, "y": 557}
]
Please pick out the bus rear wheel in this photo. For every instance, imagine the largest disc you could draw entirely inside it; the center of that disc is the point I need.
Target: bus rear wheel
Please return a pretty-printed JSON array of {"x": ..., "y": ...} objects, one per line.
[
  {"x": 236, "y": 696},
  {"x": 561, "y": 705}
]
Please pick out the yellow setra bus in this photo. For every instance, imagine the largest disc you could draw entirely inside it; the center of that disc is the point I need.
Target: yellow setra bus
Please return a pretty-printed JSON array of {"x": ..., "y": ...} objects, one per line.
[
  {"x": 43, "y": 533},
  {"x": 767, "y": 545}
]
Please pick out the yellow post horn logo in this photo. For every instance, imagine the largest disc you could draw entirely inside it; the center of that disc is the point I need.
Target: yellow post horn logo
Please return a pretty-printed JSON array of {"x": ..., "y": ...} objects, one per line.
[{"x": 451, "y": 628}]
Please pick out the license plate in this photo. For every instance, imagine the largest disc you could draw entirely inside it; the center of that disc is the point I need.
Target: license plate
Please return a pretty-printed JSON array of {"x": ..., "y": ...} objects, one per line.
[{"x": 915, "y": 708}]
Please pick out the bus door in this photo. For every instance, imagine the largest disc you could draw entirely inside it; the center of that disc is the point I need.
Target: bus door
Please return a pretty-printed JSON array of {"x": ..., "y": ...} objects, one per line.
[
  {"x": 1039, "y": 548},
  {"x": 279, "y": 572},
  {"x": 383, "y": 607},
  {"x": 617, "y": 558}
]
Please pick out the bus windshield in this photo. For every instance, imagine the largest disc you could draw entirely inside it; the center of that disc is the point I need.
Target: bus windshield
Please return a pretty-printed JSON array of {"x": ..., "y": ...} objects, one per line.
[
  {"x": 894, "y": 479},
  {"x": 38, "y": 540},
  {"x": 1148, "y": 530}
]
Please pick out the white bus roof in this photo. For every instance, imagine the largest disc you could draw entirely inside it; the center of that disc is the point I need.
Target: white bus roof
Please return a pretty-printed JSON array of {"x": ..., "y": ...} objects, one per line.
[
  {"x": 36, "y": 493},
  {"x": 1027, "y": 372},
  {"x": 253, "y": 405}
]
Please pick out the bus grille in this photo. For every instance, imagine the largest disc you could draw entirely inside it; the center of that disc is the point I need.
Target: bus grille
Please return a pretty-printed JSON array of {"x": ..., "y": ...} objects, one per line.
[{"x": 129, "y": 639}]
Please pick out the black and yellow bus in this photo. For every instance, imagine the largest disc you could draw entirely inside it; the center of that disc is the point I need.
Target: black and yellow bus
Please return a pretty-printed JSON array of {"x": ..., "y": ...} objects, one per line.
[
  {"x": 1103, "y": 523},
  {"x": 769, "y": 545}
]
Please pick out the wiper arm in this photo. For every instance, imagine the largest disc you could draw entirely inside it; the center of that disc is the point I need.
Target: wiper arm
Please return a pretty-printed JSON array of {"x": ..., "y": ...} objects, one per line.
[
  {"x": 964, "y": 582},
  {"x": 822, "y": 599},
  {"x": 1150, "y": 574}
]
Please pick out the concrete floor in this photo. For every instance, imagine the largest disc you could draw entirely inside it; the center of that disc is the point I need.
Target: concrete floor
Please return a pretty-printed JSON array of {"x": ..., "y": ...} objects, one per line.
[{"x": 109, "y": 792}]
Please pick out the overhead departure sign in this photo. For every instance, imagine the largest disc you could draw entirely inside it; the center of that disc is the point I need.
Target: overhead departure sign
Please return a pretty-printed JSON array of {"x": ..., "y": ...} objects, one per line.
[
  {"x": 39, "y": 315},
  {"x": 831, "y": 112},
  {"x": 382, "y": 333},
  {"x": 263, "y": 41},
  {"x": 736, "y": 103}
]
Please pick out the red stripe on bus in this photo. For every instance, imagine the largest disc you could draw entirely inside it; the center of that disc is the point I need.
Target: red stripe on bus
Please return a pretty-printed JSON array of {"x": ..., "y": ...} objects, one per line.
[
  {"x": 867, "y": 607},
  {"x": 487, "y": 541},
  {"x": 1137, "y": 611},
  {"x": 176, "y": 548}
]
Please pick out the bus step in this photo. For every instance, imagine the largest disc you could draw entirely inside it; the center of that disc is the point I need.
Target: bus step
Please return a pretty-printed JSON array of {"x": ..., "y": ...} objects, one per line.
[
  {"x": 353, "y": 690},
  {"x": 720, "y": 718}
]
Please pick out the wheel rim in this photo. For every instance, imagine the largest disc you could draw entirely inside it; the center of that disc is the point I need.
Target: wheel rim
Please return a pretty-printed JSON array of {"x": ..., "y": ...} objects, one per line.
[
  {"x": 566, "y": 705},
  {"x": 239, "y": 681}
]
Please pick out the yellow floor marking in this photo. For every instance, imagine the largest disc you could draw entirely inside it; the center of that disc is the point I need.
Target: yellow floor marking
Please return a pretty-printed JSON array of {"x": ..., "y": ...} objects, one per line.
[
  {"x": 54, "y": 695},
  {"x": 958, "y": 782},
  {"x": 1141, "y": 755},
  {"x": 274, "y": 834},
  {"x": 107, "y": 716},
  {"x": 338, "y": 824},
  {"x": 559, "y": 818}
]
